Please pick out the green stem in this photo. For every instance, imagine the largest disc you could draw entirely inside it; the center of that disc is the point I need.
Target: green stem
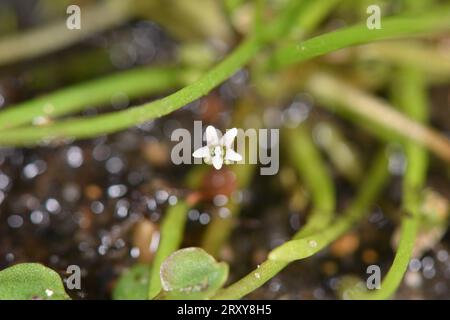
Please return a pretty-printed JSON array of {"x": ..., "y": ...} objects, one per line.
[
  {"x": 103, "y": 124},
  {"x": 301, "y": 248},
  {"x": 410, "y": 89},
  {"x": 132, "y": 84},
  {"x": 434, "y": 61},
  {"x": 56, "y": 36},
  {"x": 112, "y": 122},
  {"x": 172, "y": 229},
  {"x": 313, "y": 14},
  {"x": 345, "y": 98},
  {"x": 313, "y": 171},
  {"x": 342, "y": 154}
]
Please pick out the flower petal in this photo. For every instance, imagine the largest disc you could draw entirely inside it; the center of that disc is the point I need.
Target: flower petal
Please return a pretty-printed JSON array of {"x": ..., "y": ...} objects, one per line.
[
  {"x": 233, "y": 155},
  {"x": 201, "y": 152},
  {"x": 217, "y": 161},
  {"x": 218, "y": 150},
  {"x": 228, "y": 138},
  {"x": 212, "y": 138}
]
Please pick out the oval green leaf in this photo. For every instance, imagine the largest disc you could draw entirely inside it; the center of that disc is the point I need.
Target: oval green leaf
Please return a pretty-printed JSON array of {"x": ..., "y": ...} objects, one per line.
[
  {"x": 191, "y": 273},
  {"x": 31, "y": 281}
]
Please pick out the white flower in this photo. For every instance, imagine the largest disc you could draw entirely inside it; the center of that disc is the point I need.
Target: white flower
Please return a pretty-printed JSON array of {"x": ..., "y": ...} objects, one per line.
[{"x": 218, "y": 151}]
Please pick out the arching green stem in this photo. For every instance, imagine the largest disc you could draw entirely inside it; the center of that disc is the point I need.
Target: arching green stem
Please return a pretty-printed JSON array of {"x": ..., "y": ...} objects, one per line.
[
  {"x": 132, "y": 84},
  {"x": 305, "y": 247},
  {"x": 410, "y": 90}
]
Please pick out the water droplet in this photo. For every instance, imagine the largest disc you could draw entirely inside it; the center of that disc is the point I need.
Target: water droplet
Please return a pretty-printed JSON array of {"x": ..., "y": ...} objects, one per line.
[
  {"x": 295, "y": 114},
  {"x": 97, "y": 207},
  {"x": 135, "y": 252},
  {"x": 41, "y": 121},
  {"x": 71, "y": 192},
  {"x": 224, "y": 212},
  {"x": 397, "y": 163},
  {"x": 30, "y": 171},
  {"x": 193, "y": 214},
  {"x": 442, "y": 255},
  {"x": 33, "y": 169},
  {"x": 122, "y": 212},
  {"x": 204, "y": 218},
  {"x": 114, "y": 165},
  {"x": 273, "y": 117},
  {"x": 312, "y": 243},
  {"x": 429, "y": 273},
  {"x": 173, "y": 200},
  {"x": 428, "y": 263},
  {"x": 122, "y": 208},
  {"x": 117, "y": 191},
  {"x": 274, "y": 286},
  {"x": 319, "y": 293},
  {"x": 74, "y": 157},
  {"x": 37, "y": 217},
  {"x": 9, "y": 257},
  {"x": 102, "y": 250},
  {"x": 15, "y": 221},
  {"x": 101, "y": 152},
  {"x": 151, "y": 204},
  {"x": 161, "y": 196},
  {"x": 2, "y": 99},
  {"x": 119, "y": 243},
  {"x": 415, "y": 265},
  {"x": 52, "y": 205},
  {"x": 4, "y": 181},
  {"x": 220, "y": 200}
]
